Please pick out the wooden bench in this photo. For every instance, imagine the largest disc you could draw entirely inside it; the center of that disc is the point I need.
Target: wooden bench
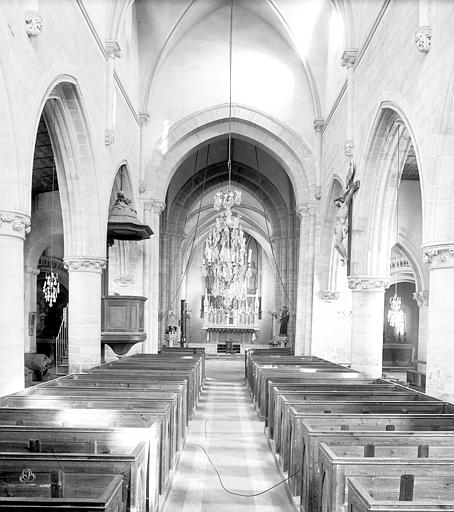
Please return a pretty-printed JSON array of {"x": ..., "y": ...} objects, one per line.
[
  {"x": 127, "y": 375},
  {"x": 57, "y": 490},
  {"x": 133, "y": 397},
  {"x": 131, "y": 463},
  {"x": 179, "y": 387},
  {"x": 98, "y": 419},
  {"x": 305, "y": 433},
  {"x": 295, "y": 398},
  {"x": 147, "y": 365},
  {"x": 348, "y": 429},
  {"x": 299, "y": 411},
  {"x": 165, "y": 406},
  {"x": 275, "y": 389},
  {"x": 339, "y": 463},
  {"x": 383, "y": 494},
  {"x": 319, "y": 375},
  {"x": 141, "y": 447},
  {"x": 251, "y": 353},
  {"x": 102, "y": 380}
]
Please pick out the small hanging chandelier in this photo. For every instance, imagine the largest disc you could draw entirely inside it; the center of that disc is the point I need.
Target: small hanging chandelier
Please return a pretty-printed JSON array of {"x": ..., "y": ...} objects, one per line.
[
  {"x": 225, "y": 259},
  {"x": 51, "y": 286},
  {"x": 396, "y": 317}
]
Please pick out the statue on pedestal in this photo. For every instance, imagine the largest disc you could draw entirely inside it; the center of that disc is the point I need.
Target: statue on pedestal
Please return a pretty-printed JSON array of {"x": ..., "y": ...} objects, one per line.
[{"x": 284, "y": 318}]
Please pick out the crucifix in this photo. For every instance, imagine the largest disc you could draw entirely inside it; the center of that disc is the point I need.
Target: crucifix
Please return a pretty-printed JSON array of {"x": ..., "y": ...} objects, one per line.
[{"x": 342, "y": 227}]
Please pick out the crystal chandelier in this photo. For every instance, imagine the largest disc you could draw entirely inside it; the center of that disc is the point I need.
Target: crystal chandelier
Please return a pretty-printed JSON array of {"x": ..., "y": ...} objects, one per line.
[
  {"x": 51, "y": 286},
  {"x": 225, "y": 259},
  {"x": 396, "y": 317}
]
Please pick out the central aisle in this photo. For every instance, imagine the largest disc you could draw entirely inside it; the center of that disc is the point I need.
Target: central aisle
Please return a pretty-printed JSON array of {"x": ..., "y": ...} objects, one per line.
[{"x": 226, "y": 425}]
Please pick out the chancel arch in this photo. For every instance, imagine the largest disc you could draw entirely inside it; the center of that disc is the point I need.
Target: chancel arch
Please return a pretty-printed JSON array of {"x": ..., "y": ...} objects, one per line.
[
  {"x": 288, "y": 148},
  {"x": 267, "y": 214}
]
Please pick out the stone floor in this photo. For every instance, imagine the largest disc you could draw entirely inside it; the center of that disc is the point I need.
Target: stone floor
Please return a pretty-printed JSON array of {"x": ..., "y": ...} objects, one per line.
[{"x": 226, "y": 425}]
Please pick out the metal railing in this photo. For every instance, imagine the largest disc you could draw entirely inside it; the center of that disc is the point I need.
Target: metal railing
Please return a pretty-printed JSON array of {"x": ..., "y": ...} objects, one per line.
[{"x": 61, "y": 341}]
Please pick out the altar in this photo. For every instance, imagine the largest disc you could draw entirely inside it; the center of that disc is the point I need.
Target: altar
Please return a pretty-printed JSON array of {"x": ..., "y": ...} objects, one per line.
[{"x": 222, "y": 333}]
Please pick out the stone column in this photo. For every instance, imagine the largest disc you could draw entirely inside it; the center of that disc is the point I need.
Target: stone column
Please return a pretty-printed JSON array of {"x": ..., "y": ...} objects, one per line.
[
  {"x": 348, "y": 61},
  {"x": 368, "y": 295},
  {"x": 13, "y": 228},
  {"x": 422, "y": 299},
  {"x": 151, "y": 268},
  {"x": 30, "y": 291},
  {"x": 84, "y": 318},
  {"x": 440, "y": 346},
  {"x": 113, "y": 52},
  {"x": 305, "y": 288}
]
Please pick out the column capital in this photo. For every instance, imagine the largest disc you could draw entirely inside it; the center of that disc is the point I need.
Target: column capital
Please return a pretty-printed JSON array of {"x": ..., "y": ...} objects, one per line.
[
  {"x": 439, "y": 255},
  {"x": 109, "y": 137},
  {"x": 349, "y": 147},
  {"x": 85, "y": 264},
  {"x": 421, "y": 298},
  {"x": 144, "y": 118},
  {"x": 33, "y": 23},
  {"x": 14, "y": 223},
  {"x": 306, "y": 210},
  {"x": 319, "y": 124},
  {"x": 329, "y": 295},
  {"x": 159, "y": 207},
  {"x": 30, "y": 270},
  {"x": 112, "y": 48},
  {"x": 368, "y": 283},
  {"x": 423, "y": 39},
  {"x": 348, "y": 58}
]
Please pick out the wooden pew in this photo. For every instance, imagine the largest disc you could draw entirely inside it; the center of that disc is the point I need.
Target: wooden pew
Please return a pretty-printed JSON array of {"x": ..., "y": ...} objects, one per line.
[
  {"x": 275, "y": 389},
  {"x": 285, "y": 400},
  {"x": 127, "y": 375},
  {"x": 138, "y": 449},
  {"x": 179, "y": 387},
  {"x": 319, "y": 375},
  {"x": 133, "y": 394},
  {"x": 129, "y": 462},
  {"x": 56, "y": 490},
  {"x": 299, "y": 411},
  {"x": 98, "y": 418},
  {"x": 362, "y": 394},
  {"x": 170, "y": 364},
  {"x": 108, "y": 380},
  {"x": 339, "y": 463},
  {"x": 257, "y": 362},
  {"x": 254, "y": 352},
  {"x": 382, "y": 494},
  {"x": 345, "y": 429},
  {"x": 164, "y": 405},
  {"x": 304, "y": 369}
]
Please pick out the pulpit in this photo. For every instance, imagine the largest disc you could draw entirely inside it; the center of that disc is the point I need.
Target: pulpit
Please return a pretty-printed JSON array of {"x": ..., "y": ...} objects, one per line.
[{"x": 122, "y": 322}]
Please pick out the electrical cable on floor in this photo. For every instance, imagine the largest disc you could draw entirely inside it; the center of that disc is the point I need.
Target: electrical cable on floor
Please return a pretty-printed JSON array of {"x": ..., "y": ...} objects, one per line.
[{"x": 239, "y": 493}]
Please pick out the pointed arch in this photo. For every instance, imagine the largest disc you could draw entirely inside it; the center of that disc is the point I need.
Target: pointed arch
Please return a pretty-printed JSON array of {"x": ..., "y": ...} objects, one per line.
[
  {"x": 289, "y": 149},
  {"x": 83, "y": 216},
  {"x": 373, "y": 214}
]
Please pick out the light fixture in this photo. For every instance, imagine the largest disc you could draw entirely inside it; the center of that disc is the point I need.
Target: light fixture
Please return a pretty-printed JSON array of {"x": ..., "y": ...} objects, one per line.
[
  {"x": 396, "y": 317},
  {"x": 225, "y": 260},
  {"x": 51, "y": 286}
]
